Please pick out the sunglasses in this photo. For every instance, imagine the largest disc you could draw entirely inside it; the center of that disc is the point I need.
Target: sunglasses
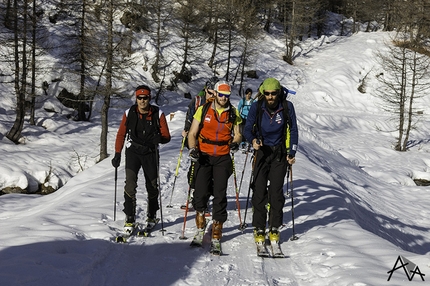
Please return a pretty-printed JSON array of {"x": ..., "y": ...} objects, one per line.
[
  {"x": 142, "y": 97},
  {"x": 208, "y": 92},
  {"x": 274, "y": 93},
  {"x": 222, "y": 95}
]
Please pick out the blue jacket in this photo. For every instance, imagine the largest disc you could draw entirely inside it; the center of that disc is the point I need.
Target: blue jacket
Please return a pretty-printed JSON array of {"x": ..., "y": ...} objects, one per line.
[
  {"x": 243, "y": 107},
  {"x": 272, "y": 127}
]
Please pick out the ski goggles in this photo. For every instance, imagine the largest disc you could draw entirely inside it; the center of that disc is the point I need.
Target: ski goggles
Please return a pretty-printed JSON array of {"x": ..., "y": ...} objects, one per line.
[{"x": 222, "y": 95}]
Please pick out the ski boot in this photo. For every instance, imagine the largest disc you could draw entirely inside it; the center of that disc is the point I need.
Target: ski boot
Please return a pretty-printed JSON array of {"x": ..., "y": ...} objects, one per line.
[
  {"x": 129, "y": 225},
  {"x": 215, "y": 248},
  {"x": 259, "y": 235},
  {"x": 274, "y": 235}
]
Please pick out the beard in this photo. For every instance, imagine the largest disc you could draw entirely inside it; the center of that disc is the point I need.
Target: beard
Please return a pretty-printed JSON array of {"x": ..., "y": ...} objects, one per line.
[
  {"x": 221, "y": 102},
  {"x": 273, "y": 103}
]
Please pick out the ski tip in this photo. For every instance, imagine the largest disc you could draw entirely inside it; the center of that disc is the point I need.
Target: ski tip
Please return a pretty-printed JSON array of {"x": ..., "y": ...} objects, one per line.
[
  {"x": 143, "y": 233},
  {"x": 120, "y": 239},
  {"x": 278, "y": 256},
  {"x": 194, "y": 244}
]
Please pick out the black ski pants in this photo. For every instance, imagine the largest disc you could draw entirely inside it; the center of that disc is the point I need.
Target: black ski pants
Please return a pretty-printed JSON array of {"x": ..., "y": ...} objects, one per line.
[
  {"x": 212, "y": 173},
  {"x": 269, "y": 173},
  {"x": 134, "y": 160}
]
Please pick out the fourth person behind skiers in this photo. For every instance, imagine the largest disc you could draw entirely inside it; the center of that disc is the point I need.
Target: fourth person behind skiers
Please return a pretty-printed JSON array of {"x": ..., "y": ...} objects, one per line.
[
  {"x": 274, "y": 135},
  {"x": 143, "y": 126},
  {"x": 243, "y": 107},
  {"x": 214, "y": 133}
]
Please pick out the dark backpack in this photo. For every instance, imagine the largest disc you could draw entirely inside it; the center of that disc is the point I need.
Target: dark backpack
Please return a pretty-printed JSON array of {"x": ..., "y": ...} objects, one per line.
[{"x": 155, "y": 118}]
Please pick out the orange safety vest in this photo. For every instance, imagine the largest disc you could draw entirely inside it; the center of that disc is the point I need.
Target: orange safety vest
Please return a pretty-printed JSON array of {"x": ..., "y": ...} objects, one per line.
[{"x": 216, "y": 133}]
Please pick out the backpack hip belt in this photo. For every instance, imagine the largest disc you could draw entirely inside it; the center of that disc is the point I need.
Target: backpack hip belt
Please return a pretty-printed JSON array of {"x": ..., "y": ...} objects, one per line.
[{"x": 218, "y": 143}]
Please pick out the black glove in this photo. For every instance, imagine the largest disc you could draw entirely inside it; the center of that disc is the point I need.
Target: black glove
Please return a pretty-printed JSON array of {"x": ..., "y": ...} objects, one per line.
[
  {"x": 194, "y": 154},
  {"x": 116, "y": 160},
  {"x": 156, "y": 139},
  {"x": 234, "y": 147}
]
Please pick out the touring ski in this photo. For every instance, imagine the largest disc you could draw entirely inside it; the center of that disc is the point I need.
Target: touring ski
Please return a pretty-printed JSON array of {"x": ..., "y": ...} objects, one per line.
[
  {"x": 215, "y": 247},
  {"x": 126, "y": 234},
  {"x": 262, "y": 249},
  {"x": 276, "y": 250},
  {"x": 147, "y": 230},
  {"x": 198, "y": 237}
]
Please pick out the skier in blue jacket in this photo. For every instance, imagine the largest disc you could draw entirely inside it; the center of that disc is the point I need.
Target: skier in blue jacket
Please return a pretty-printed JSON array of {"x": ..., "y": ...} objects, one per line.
[
  {"x": 243, "y": 107},
  {"x": 273, "y": 132}
]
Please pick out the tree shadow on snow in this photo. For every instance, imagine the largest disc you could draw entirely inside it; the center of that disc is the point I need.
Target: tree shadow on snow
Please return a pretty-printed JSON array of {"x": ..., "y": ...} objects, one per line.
[
  {"x": 96, "y": 262},
  {"x": 321, "y": 205}
]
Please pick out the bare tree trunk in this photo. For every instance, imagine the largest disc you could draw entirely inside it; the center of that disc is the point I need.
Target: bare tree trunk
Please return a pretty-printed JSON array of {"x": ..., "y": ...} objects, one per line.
[
  {"x": 230, "y": 40},
  {"x": 15, "y": 133},
  {"x": 242, "y": 67},
  {"x": 156, "y": 65},
  {"x": 108, "y": 89},
  {"x": 33, "y": 64},
  {"x": 82, "y": 59},
  {"x": 186, "y": 47},
  {"x": 214, "y": 49},
  {"x": 411, "y": 101},
  {"x": 268, "y": 20},
  {"x": 290, "y": 35},
  {"x": 9, "y": 16}
]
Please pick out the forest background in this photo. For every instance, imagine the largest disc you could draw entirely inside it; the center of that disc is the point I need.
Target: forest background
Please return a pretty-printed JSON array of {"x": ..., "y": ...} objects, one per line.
[{"x": 88, "y": 52}]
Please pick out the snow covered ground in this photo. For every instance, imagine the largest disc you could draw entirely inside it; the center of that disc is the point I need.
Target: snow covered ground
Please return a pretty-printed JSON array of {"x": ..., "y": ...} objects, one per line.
[{"x": 356, "y": 206}]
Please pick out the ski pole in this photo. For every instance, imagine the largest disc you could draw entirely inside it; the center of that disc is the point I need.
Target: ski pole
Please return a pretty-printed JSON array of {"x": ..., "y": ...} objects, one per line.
[
  {"x": 244, "y": 166},
  {"x": 244, "y": 225},
  {"x": 114, "y": 199},
  {"x": 294, "y": 237},
  {"x": 188, "y": 199},
  {"x": 237, "y": 190},
  {"x": 288, "y": 174},
  {"x": 177, "y": 171},
  {"x": 157, "y": 158}
]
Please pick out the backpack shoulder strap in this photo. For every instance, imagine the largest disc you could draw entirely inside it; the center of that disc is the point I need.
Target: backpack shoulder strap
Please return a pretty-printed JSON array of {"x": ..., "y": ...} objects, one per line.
[
  {"x": 156, "y": 113},
  {"x": 132, "y": 109},
  {"x": 232, "y": 114},
  {"x": 286, "y": 112},
  {"x": 259, "y": 116},
  {"x": 205, "y": 109},
  {"x": 206, "y": 106}
]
